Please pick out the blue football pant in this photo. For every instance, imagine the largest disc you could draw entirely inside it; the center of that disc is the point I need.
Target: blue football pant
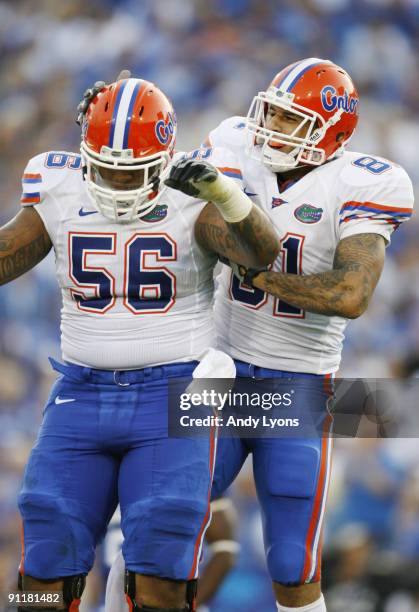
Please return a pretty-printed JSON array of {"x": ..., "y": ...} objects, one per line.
[
  {"x": 98, "y": 442},
  {"x": 291, "y": 477}
]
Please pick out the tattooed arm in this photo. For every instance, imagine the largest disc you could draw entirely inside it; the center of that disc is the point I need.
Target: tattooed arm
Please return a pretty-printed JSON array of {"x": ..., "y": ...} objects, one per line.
[
  {"x": 24, "y": 242},
  {"x": 252, "y": 242},
  {"x": 230, "y": 225},
  {"x": 343, "y": 291}
]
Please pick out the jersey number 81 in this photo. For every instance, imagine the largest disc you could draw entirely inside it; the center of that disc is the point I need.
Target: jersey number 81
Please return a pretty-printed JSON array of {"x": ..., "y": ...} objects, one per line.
[{"x": 292, "y": 256}]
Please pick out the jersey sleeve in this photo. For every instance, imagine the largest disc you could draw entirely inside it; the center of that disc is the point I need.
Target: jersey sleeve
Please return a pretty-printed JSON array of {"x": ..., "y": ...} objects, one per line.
[
  {"x": 223, "y": 159},
  {"x": 376, "y": 204},
  {"x": 33, "y": 183},
  {"x": 227, "y": 163},
  {"x": 45, "y": 182}
]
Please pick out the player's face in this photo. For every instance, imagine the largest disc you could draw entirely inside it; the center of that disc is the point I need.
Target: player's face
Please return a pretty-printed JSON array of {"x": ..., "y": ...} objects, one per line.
[
  {"x": 118, "y": 179},
  {"x": 286, "y": 122}
]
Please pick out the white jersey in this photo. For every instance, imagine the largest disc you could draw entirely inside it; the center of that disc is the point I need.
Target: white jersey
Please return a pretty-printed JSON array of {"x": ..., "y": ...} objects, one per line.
[
  {"x": 356, "y": 193},
  {"x": 134, "y": 295}
]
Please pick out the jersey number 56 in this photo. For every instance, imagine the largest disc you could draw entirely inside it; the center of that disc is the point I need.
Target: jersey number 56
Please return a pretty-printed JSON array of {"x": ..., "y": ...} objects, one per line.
[{"x": 147, "y": 289}]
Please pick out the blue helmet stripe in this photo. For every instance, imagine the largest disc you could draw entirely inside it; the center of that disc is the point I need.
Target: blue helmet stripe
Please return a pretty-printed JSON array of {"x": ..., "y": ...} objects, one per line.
[
  {"x": 129, "y": 113},
  {"x": 115, "y": 112},
  {"x": 300, "y": 74}
]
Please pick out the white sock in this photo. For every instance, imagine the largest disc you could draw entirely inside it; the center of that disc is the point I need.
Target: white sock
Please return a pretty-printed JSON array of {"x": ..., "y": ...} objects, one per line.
[
  {"x": 316, "y": 606},
  {"x": 115, "y": 597}
]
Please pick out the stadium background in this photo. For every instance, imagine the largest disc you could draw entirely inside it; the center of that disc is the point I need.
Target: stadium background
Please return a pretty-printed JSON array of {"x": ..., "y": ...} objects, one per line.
[{"x": 211, "y": 56}]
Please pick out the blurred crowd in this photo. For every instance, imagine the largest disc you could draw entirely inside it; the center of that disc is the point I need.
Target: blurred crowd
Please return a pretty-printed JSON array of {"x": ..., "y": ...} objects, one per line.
[{"x": 211, "y": 57}]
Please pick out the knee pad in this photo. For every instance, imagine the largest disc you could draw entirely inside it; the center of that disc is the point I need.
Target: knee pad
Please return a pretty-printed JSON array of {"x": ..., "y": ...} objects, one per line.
[
  {"x": 73, "y": 587},
  {"x": 163, "y": 523},
  {"x": 285, "y": 560},
  {"x": 130, "y": 592},
  {"x": 293, "y": 488},
  {"x": 56, "y": 539}
]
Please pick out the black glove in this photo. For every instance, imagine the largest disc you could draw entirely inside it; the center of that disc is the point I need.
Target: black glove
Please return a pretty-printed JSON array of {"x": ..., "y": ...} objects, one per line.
[
  {"x": 187, "y": 174},
  {"x": 92, "y": 92},
  {"x": 88, "y": 96}
]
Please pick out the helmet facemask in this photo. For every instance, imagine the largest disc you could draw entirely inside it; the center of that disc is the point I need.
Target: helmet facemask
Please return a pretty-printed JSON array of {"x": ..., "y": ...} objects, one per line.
[
  {"x": 123, "y": 202},
  {"x": 262, "y": 141}
]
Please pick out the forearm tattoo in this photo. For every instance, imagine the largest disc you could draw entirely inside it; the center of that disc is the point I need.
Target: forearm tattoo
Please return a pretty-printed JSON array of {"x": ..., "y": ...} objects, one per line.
[
  {"x": 344, "y": 291},
  {"x": 256, "y": 233},
  {"x": 252, "y": 242},
  {"x": 24, "y": 242},
  {"x": 13, "y": 264}
]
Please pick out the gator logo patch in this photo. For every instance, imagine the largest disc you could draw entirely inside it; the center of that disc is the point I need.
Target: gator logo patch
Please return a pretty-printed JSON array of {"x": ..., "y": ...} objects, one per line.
[
  {"x": 306, "y": 213},
  {"x": 157, "y": 214}
]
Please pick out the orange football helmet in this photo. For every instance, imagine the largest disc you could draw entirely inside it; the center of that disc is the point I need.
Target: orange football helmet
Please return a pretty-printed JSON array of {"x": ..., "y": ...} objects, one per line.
[
  {"x": 323, "y": 96},
  {"x": 129, "y": 134}
]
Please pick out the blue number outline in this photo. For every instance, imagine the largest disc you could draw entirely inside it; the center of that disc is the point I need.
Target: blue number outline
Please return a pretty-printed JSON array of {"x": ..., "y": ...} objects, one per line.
[
  {"x": 290, "y": 312},
  {"x": 80, "y": 296},
  {"x": 253, "y": 292},
  {"x": 236, "y": 285},
  {"x": 385, "y": 165},
  {"x": 95, "y": 286},
  {"x": 144, "y": 269},
  {"x": 67, "y": 161}
]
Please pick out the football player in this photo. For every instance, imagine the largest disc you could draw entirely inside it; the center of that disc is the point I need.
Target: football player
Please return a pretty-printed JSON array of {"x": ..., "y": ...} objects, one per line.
[
  {"x": 135, "y": 265},
  {"x": 335, "y": 211}
]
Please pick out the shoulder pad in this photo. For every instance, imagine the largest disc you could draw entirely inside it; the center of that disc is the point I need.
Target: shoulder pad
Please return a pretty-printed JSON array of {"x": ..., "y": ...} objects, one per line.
[
  {"x": 373, "y": 189},
  {"x": 222, "y": 158},
  {"x": 46, "y": 172},
  {"x": 227, "y": 162},
  {"x": 229, "y": 133},
  {"x": 361, "y": 170}
]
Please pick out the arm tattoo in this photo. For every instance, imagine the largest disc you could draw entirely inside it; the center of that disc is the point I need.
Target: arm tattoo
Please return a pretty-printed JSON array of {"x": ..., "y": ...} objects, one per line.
[
  {"x": 343, "y": 291},
  {"x": 24, "y": 242},
  {"x": 256, "y": 232},
  {"x": 220, "y": 239},
  {"x": 25, "y": 258},
  {"x": 252, "y": 242}
]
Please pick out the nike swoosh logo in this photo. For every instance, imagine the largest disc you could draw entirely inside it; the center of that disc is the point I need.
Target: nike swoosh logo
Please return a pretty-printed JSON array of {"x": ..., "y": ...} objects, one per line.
[
  {"x": 249, "y": 193},
  {"x": 58, "y": 400},
  {"x": 85, "y": 213}
]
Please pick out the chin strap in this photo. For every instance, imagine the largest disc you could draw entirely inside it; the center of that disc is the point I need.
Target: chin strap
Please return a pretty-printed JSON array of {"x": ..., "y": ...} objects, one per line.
[{"x": 319, "y": 134}]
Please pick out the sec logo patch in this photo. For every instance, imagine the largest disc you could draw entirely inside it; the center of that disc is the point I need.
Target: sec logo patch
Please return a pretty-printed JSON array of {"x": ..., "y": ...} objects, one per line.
[{"x": 306, "y": 213}]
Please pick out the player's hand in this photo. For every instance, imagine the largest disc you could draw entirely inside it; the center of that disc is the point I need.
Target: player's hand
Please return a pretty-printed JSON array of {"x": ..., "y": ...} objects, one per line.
[
  {"x": 92, "y": 92},
  {"x": 195, "y": 178},
  {"x": 245, "y": 275},
  {"x": 239, "y": 271}
]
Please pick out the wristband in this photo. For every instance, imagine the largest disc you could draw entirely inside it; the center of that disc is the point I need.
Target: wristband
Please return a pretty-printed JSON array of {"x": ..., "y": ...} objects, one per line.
[{"x": 233, "y": 204}]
